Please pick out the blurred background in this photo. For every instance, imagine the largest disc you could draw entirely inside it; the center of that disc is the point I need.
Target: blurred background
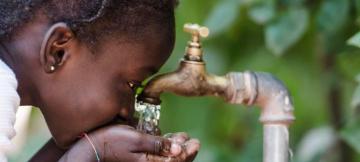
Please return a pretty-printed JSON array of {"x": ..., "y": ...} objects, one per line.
[{"x": 311, "y": 45}]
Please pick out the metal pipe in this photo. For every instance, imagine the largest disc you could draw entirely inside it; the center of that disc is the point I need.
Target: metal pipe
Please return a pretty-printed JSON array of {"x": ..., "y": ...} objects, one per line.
[
  {"x": 271, "y": 95},
  {"x": 276, "y": 143},
  {"x": 250, "y": 88}
]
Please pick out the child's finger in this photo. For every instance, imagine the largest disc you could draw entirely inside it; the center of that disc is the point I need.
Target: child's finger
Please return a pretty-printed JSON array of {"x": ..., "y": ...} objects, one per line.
[
  {"x": 158, "y": 146},
  {"x": 190, "y": 150},
  {"x": 156, "y": 158},
  {"x": 180, "y": 137},
  {"x": 192, "y": 146}
]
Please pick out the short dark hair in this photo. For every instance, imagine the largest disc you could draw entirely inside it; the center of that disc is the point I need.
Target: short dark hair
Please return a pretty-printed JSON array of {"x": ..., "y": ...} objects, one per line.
[{"x": 90, "y": 18}]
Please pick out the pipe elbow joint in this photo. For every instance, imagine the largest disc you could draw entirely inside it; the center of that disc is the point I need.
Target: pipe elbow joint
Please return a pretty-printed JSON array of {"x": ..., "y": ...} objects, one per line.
[{"x": 264, "y": 90}]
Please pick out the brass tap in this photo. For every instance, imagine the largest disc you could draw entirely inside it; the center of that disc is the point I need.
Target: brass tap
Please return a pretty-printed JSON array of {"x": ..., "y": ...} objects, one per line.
[
  {"x": 250, "y": 88},
  {"x": 194, "y": 50},
  {"x": 191, "y": 79}
]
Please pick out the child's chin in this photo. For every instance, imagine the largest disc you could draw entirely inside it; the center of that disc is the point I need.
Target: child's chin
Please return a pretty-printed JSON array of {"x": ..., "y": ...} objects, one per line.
[{"x": 64, "y": 142}]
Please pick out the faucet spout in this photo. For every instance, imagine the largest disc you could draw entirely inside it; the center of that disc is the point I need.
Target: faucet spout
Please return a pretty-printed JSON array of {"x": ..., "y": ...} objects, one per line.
[{"x": 250, "y": 88}]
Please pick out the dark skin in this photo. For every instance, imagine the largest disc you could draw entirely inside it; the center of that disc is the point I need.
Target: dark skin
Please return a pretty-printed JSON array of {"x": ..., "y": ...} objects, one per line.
[{"x": 78, "y": 91}]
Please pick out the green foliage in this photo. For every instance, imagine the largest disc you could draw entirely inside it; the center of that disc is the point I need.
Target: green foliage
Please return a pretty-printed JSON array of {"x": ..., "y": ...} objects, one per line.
[
  {"x": 223, "y": 16},
  {"x": 351, "y": 134},
  {"x": 332, "y": 15},
  {"x": 262, "y": 12},
  {"x": 356, "y": 98},
  {"x": 286, "y": 30},
  {"x": 354, "y": 40},
  {"x": 331, "y": 21},
  {"x": 314, "y": 144}
]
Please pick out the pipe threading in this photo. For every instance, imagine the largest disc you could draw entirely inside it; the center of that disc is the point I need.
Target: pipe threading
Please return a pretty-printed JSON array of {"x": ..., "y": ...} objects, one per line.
[{"x": 264, "y": 90}]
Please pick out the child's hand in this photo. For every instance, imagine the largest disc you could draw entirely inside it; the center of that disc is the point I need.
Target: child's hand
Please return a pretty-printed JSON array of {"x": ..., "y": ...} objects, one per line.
[
  {"x": 188, "y": 151},
  {"x": 190, "y": 147},
  {"x": 124, "y": 143}
]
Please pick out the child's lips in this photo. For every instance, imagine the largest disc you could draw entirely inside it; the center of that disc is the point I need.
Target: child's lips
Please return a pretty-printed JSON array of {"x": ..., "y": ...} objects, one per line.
[
  {"x": 116, "y": 120},
  {"x": 120, "y": 119}
]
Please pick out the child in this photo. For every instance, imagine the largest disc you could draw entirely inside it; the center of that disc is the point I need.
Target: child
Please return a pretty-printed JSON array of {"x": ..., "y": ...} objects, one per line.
[{"x": 78, "y": 61}]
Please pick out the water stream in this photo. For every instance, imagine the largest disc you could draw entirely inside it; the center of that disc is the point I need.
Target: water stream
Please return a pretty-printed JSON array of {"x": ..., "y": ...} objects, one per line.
[{"x": 149, "y": 116}]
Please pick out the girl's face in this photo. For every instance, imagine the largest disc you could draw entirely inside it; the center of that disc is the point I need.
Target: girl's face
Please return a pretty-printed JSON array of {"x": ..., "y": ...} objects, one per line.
[{"x": 87, "y": 90}]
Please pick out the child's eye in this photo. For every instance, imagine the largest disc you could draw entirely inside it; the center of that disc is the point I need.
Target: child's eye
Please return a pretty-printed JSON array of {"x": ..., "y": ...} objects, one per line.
[{"x": 134, "y": 85}]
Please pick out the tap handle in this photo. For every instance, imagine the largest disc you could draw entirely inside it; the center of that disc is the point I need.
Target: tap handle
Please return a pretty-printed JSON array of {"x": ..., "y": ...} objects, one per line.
[
  {"x": 197, "y": 30},
  {"x": 194, "y": 50}
]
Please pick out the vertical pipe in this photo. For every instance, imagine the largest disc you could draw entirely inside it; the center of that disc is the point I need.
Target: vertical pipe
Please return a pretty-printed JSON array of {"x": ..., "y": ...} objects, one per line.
[
  {"x": 271, "y": 95},
  {"x": 276, "y": 143}
]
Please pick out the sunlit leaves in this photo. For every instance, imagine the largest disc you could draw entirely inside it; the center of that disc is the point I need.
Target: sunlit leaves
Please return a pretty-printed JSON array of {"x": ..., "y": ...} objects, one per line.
[
  {"x": 262, "y": 11},
  {"x": 354, "y": 40},
  {"x": 286, "y": 30},
  {"x": 223, "y": 16},
  {"x": 332, "y": 15}
]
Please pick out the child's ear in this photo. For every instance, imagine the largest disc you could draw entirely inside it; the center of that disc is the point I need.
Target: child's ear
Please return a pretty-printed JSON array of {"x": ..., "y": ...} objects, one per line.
[{"x": 55, "y": 46}]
